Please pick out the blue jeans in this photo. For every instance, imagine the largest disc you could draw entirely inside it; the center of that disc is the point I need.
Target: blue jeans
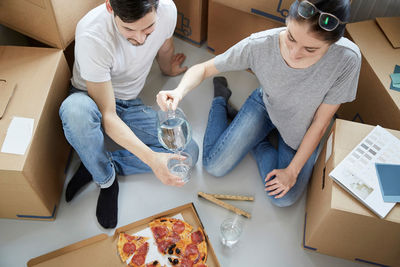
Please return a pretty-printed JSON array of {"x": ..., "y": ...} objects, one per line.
[
  {"x": 225, "y": 145},
  {"x": 81, "y": 119}
]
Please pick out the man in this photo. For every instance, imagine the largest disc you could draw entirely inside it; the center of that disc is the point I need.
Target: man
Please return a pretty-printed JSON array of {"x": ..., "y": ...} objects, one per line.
[{"x": 115, "y": 46}]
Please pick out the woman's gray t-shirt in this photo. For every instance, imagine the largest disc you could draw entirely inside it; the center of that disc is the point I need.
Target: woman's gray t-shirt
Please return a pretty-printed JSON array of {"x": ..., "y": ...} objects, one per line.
[{"x": 292, "y": 96}]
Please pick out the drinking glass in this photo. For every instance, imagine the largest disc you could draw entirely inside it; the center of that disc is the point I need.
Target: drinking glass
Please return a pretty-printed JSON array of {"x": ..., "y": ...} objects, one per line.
[
  {"x": 231, "y": 229},
  {"x": 174, "y": 133}
]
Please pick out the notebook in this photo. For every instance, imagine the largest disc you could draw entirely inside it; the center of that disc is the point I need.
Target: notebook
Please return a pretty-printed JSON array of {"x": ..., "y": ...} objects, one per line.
[{"x": 389, "y": 181}]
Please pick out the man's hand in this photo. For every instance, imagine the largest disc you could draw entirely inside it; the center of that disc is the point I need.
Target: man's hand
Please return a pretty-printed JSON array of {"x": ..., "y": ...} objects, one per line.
[
  {"x": 284, "y": 180},
  {"x": 169, "y": 62},
  {"x": 176, "y": 62},
  {"x": 169, "y": 99},
  {"x": 160, "y": 169}
]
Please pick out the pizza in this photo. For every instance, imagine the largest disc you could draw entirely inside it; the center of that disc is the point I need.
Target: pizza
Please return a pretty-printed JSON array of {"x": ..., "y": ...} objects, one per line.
[
  {"x": 128, "y": 244},
  {"x": 173, "y": 238},
  {"x": 139, "y": 257},
  {"x": 170, "y": 234}
]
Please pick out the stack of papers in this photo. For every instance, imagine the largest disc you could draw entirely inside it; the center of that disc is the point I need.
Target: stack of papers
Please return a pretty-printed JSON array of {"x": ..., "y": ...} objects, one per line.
[{"x": 357, "y": 173}]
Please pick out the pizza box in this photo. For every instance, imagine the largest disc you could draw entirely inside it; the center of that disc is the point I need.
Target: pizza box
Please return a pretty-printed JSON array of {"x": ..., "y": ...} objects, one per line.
[{"x": 101, "y": 250}]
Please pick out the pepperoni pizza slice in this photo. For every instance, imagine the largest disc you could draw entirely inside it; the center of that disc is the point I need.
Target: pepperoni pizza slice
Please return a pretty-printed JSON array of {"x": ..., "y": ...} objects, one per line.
[
  {"x": 139, "y": 257},
  {"x": 195, "y": 250},
  {"x": 169, "y": 234},
  {"x": 128, "y": 244}
]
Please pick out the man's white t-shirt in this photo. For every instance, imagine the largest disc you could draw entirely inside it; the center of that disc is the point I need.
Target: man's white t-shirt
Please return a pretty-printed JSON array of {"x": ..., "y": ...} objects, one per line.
[{"x": 103, "y": 54}]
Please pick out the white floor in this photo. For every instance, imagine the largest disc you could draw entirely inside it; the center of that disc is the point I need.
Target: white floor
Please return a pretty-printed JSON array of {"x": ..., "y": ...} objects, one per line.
[{"x": 272, "y": 237}]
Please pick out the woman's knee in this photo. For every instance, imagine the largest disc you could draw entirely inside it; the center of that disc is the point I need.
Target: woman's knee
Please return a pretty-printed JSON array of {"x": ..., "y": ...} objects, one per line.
[{"x": 285, "y": 201}]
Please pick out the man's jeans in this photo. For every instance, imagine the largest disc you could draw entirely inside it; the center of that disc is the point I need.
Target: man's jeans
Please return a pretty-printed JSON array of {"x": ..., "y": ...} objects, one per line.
[
  {"x": 224, "y": 145},
  {"x": 81, "y": 120}
]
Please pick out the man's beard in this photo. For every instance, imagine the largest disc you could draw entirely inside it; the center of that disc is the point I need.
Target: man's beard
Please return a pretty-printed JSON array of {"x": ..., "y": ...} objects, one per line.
[{"x": 135, "y": 43}]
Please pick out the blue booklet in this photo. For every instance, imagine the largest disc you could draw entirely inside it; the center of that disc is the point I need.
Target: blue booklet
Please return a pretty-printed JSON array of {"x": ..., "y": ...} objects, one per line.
[{"x": 389, "y": 181}]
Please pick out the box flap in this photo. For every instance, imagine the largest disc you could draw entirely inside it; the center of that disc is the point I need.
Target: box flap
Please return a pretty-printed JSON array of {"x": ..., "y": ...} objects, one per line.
[
  {"x": 379, "y": 54},
  {"x": 65, "y": 250},
  {"x": 391, "y": 28},
  {"x": 6, "y": 91}
]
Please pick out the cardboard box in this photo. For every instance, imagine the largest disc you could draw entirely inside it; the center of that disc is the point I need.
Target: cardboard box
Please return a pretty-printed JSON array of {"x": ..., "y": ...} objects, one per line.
[
  {"x": 227, "y": 26},
  {"x": 31, "y": 184},
  {"x": 276, "y": 10},
  {"x": 192, "y": 20},
  {"x": 102, "y": 249},
  {"x": 52, "y": 22},
  {"x": 375, "y": 103},
  {"x": 338, "y": 224}
]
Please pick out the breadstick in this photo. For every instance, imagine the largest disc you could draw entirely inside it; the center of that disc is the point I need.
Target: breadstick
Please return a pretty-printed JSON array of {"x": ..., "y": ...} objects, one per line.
[
  {"x": 232, "y": 197},
  {"x": 224, "y": 205}
]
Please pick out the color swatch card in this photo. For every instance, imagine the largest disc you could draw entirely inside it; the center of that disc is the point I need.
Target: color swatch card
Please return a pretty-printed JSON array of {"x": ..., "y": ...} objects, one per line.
[
  {"x": 389, "y": 181},
  {"x": 356, "y": 173}
]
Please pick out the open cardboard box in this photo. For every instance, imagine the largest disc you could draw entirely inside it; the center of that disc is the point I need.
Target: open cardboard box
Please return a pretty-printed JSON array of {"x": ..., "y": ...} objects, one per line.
[
  {"x": 276, "y": 10},
  {"x": 34, "y": 83},
  {"x": 338, "y": 224},
  {"x": 191, "y": 23},
  {"x": 101, "y": 250},
  {"x": 228, "y": 25},
  {"x": 375, "y": 103},
  {"x": 52, "y": 22}
]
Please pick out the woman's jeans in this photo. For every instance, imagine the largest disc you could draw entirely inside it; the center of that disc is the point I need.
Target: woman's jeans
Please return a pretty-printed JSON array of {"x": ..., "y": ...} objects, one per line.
[
  {"x": 81, "y": 119},
  {"x": 224, "y": 145}
]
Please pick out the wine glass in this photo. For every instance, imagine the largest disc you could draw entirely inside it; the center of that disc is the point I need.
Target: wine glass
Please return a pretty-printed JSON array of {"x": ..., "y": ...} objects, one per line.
[{"x": 174, "y": 133}]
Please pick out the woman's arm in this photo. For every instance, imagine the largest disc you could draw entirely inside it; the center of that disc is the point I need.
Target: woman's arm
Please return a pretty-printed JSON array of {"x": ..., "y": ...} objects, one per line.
[
  {"x": 192, "y": 78},
  {"x": 286, "y": 178}
]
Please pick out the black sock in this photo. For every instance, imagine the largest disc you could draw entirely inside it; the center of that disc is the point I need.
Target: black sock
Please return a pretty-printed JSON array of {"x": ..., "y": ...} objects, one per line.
[
  {"x": 232, "y": 112},
  {"x": 107, "y": 206},
  {"x": 79, "y": 180},
  {"x": 221, "y": 88}
]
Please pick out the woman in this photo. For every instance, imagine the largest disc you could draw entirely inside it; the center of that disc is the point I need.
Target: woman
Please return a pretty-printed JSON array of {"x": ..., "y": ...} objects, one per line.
[{"x": 306, "y": 70}]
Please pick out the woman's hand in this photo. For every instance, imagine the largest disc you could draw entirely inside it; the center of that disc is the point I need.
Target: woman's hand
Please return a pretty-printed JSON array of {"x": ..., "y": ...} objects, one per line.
[
  {"x": 284, "y": 180},
  {"x": 169, "y": 99},
  {"x": 160, "y": 169}
]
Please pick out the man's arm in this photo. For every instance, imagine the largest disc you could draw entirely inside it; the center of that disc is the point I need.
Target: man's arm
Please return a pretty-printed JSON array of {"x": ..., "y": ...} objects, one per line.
[
  {"x": 286, "y": 178},
  {"x": 170, "y": 63},
  {"x": 103, "y": 94}
]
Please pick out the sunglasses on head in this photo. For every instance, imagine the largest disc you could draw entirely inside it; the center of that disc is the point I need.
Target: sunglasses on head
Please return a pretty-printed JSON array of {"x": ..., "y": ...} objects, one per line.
[{"x": 326, "y": 21}]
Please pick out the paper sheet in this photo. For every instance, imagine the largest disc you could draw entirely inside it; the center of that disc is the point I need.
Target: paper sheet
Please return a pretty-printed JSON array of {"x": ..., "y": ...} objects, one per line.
[
  {"x": 19, "y": 135},
  {"x": 356, "y": 172},
  {"x": 153, "y": 253}
]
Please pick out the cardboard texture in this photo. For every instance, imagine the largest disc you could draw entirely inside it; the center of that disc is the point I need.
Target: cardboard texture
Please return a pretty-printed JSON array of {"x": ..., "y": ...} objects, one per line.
[
  {"x": 227, "y": 26},
  {"x": 101, "y": 250},
  {"x": 375, "y": 103},
  {"x": 54, "y": 21},
  {"x": 6, "y": 91},
  {"x": 391, "y": 28},
  {"x": 31, "y": 184},
  {"x": 192, "y": 20},
  {"x": 276, "y": 10},
  {"x": 336, "y": 223}
]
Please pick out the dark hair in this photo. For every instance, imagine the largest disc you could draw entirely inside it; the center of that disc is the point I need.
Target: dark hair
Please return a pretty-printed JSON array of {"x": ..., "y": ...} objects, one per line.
[
  {"x": 132, "y": 10},
  {"x": 339, "y": 8}
]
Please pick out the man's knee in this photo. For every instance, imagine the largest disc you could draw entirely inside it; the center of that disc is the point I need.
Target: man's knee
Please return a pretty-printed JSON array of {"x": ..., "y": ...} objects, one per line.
[
  {"x": 78, "y": 112},
  {"x": 193, "y": 149}
]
